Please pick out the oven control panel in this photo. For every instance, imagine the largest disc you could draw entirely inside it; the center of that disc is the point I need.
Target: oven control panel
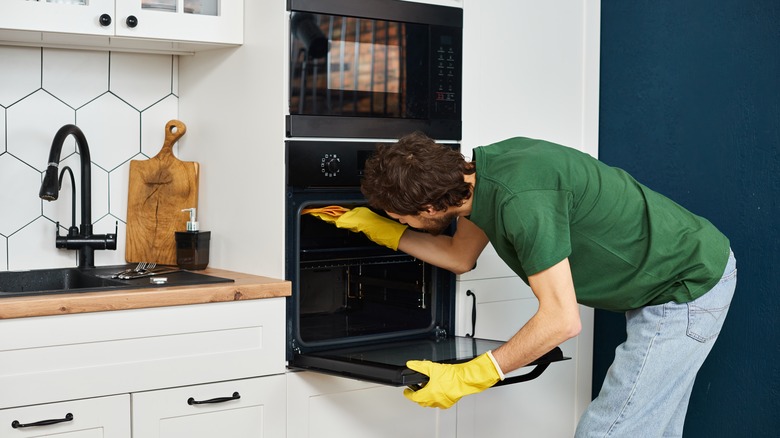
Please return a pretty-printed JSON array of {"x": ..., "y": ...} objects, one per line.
[{"x": 326, "y": 163}]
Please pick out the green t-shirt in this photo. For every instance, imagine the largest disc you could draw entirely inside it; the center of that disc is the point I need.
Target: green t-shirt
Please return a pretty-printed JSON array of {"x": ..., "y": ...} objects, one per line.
[{"x": 627, "y": 245}]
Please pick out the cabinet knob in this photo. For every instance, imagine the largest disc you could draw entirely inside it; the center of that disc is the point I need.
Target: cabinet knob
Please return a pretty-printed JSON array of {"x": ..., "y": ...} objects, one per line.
[
  {"x": 132, "y": 21},
  {"x": 105, "y": 20}
]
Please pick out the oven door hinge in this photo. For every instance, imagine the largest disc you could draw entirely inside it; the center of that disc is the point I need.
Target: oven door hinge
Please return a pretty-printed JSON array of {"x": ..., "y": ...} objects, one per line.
[
  {"x": 440, "y": 333},
  {"x": 294, "y": 347}
]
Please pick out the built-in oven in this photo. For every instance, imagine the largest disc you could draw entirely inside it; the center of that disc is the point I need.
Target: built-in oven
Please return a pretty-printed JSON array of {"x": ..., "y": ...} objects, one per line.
[
  {"x": 358, "y": 309},
  {"x": 374, "y": 69}
]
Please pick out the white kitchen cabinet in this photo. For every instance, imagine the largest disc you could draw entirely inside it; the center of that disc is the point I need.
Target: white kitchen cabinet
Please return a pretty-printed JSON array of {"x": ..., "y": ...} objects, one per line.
[
  {"x": 543, "y": 407},
  {"x": 161, "y": 26},
  {"x": 93, "y": 364},
  {"x": 212, "y": 21},
  {"x": 66, "y": 357},
  {"x": 102, "y": 417},
  {"x": 321, "y": 406},
  {"x": 234, "y": 409},
  {"x": 64, "y": 17}
]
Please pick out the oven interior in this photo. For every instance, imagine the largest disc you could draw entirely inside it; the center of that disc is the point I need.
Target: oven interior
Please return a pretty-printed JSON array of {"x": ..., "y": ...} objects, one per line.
[{"x": 348, "y": 289}]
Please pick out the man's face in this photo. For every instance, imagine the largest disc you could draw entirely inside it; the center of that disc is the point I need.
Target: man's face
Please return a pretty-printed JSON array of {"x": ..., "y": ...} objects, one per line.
[{"x": 434, "y": 224}]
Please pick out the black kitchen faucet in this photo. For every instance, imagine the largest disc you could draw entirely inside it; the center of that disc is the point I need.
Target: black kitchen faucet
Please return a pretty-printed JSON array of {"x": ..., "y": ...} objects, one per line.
[{"x": 83, "y": 241}]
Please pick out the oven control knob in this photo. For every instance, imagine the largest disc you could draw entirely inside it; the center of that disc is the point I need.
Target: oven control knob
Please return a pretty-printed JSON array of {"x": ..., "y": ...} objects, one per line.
[{"x": 331, "y": 165}]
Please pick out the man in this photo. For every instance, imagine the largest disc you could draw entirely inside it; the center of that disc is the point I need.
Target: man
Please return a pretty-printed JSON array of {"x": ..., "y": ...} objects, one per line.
[{"x": 576, "y": 231}]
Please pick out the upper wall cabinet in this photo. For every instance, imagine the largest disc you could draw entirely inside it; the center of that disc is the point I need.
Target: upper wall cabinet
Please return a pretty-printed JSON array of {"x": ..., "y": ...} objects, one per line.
[{"x": 158, "y": 26}]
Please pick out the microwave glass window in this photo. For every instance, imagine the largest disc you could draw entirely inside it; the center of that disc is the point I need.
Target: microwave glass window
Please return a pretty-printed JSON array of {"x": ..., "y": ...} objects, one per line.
[
  {"x": 381, "y": 69},
  {"x": 347, "y": 66}
]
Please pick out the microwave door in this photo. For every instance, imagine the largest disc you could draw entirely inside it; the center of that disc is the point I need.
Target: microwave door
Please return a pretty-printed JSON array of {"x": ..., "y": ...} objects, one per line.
[{"x": 385, "y": 363}]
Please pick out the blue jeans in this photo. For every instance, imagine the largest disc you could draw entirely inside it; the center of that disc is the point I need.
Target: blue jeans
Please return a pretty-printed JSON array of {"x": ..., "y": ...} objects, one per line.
[{"x": 647, "y": 387}]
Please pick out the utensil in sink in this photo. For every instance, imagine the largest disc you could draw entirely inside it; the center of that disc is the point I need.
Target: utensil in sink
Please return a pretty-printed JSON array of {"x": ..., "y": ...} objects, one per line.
[
  {"x": 148, "y": 272},
  {"x": 140, "y": 267}
]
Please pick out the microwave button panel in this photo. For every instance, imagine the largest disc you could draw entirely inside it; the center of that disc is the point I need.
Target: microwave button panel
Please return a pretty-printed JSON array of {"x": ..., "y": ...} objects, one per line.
[{"x": 446, "y": 79}]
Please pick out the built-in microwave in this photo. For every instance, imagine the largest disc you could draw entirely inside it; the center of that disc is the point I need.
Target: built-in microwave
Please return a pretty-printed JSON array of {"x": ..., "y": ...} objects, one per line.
[{"x": 374, "y": 69}]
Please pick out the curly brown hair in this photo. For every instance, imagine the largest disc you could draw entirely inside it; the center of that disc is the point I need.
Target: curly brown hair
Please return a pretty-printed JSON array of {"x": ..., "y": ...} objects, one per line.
[{"x": 416, "y": 173}]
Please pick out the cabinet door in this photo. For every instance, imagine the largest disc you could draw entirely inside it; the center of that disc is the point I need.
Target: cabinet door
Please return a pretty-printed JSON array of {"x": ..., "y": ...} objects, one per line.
[
  {"x": 67, "y": 16},
  {"x": 213, "y": 21},
  {"x": 238, "y": 408},
  {"x": 321, "y": 406},
  {"x": 543, "y": 407},
  {"x": 103, "y": 417}
]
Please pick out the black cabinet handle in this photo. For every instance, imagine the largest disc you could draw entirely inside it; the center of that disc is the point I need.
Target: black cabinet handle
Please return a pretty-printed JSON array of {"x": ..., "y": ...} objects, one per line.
[
  {"x": 68, "y": 417},
  {"x": 132, "y": 21},
  {"x": 473, "y": 313},
  {"x": 192, "y": 401},
  {"x": 105, "y": 20}
]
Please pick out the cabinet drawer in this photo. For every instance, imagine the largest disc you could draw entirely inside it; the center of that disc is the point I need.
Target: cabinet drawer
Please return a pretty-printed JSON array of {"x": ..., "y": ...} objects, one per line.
[
  {"x": 239, "y": 408},
  {"x": 93, "y": 354},
  {"x": 105, "y": 417}
]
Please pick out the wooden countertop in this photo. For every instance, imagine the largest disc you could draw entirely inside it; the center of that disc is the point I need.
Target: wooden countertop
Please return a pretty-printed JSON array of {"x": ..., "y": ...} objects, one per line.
[{"x": 244, "y": 287}]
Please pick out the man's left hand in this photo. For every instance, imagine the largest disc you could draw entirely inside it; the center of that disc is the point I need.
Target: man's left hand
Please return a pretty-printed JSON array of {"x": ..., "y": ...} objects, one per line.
[{"x": 449, "y": 383}]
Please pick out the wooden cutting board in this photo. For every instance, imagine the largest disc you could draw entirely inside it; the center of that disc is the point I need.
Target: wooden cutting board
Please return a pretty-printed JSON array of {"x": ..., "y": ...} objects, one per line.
[{"x": 159, "y": 189}]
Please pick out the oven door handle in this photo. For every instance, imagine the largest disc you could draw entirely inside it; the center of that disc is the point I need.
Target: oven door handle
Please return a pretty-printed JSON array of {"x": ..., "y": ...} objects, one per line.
[
  {"x": 554, "y": 355},
  {"x": 540, "y": 365},
  {"x": 473, "y": 296}
]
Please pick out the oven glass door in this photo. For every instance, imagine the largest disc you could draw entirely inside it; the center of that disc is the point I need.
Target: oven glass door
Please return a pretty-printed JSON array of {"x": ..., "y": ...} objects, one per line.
[{"x": 385, "y": 363}]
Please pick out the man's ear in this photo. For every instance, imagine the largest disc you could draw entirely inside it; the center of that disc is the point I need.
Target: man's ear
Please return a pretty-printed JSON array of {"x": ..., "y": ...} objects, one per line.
[{"x": 429, "y": 211}]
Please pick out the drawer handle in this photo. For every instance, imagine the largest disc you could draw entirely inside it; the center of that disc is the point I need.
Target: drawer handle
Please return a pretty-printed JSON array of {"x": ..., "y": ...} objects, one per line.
[
  {"x": 192, "y": 401},
  {"x": 68, "y": 417}
]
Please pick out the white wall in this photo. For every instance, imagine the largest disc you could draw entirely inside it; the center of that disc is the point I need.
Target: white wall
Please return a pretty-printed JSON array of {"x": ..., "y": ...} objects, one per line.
[
  {"x": 121, "y": 101},
  {"x": 235, "y": 102}
]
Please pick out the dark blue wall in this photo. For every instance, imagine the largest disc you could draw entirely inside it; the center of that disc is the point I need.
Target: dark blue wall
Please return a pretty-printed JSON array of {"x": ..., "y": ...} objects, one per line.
[{"x": 690, "y": 105}]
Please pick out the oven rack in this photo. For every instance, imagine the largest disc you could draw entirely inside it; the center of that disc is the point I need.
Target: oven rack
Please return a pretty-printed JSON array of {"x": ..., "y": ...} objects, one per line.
[{"x": 352, "y": 261}]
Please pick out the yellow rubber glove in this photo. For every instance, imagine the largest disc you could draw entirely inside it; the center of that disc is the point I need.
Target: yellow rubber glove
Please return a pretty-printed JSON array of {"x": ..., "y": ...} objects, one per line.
[
  {"x": 329, "y": 214},
  {"x": 379, "y": 229},
  {"x": 449, "y": 383}
]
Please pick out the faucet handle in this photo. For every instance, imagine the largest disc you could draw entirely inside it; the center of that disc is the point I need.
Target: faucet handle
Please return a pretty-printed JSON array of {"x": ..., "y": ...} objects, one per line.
[
  {"x": 59, "y": 240},
  {"x": 111, "y": 238}
]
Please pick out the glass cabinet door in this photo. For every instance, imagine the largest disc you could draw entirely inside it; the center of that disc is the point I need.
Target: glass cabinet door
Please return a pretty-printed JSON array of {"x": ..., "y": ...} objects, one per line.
[
  {"x": 219, "y": 21},
  {"x": 199, "y": 7},
  {"x": 87, "y": 17}
]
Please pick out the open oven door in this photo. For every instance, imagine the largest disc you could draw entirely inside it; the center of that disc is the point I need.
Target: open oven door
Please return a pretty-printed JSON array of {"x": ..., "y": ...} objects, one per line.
[{"x": 385, "y": 363}]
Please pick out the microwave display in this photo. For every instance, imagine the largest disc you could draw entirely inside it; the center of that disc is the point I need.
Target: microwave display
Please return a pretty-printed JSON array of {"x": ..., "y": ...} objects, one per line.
[{"x": 371, "y": 66}]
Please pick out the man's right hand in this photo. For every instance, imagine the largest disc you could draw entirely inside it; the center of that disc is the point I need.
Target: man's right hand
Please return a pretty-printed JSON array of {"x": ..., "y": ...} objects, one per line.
[{"x": 381, "y": 230}]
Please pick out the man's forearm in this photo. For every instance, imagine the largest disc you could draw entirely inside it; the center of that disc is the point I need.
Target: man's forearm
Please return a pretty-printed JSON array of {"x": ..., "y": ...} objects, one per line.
[
  {"x": 557, "y": 320},
  {"x": 537, "y": 337},
  {"x": 457, "y": 254}
]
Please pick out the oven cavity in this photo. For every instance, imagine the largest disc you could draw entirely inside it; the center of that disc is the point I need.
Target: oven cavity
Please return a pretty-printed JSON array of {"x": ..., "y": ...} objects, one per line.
[{"x": 350, "y": 287}]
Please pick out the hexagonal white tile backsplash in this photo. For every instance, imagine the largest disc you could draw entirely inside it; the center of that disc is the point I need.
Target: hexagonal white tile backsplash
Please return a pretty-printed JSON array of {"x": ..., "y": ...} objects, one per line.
[{"x": 121, "y": 101}]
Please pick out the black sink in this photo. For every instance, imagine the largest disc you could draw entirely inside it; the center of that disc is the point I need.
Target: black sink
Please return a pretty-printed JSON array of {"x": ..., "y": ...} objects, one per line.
[{"x": 70, "y": 280}]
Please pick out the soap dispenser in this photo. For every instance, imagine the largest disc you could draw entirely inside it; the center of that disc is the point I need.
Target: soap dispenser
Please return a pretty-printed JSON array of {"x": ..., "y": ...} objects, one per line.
[{"x": 192, "y": 246}]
